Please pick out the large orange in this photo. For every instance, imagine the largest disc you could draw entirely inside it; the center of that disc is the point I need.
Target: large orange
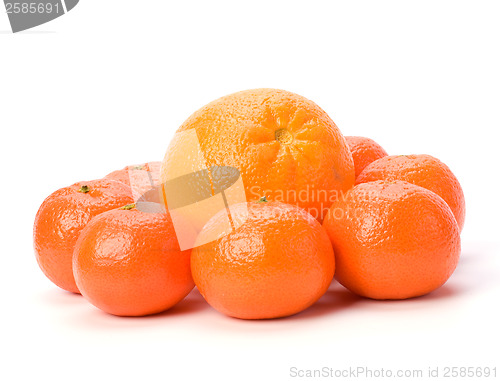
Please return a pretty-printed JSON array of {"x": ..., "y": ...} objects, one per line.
[
  {"x": 393, "y": 240},
  {"x": 364, "y": 151},
  {"x": 140, "y": 177},
  {"x": 423, "y": 170},
  {"x": 277, "y": 262},
  {"x": 61, "y": 218},
  {"x": 127, "y": 262},
  {"x": 284, "y": 145}
]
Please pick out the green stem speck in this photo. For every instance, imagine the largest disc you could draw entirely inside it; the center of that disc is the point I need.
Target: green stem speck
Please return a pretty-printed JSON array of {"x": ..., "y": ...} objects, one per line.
[
  {"x": 128, "y": 207},
  {"x": 84, "y": 189}
]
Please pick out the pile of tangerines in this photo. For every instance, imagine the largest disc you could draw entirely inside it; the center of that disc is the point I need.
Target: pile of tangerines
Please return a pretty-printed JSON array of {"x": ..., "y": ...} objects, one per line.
[{"x": 319, "y": 205}]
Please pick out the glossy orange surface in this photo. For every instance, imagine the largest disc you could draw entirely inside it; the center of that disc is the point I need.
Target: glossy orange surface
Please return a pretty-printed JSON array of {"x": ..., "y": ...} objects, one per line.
[
  {"x": 61, "y": 218},
  {"x": 364, "y": 151},
  {"x": 277, "y": 263},
  {"x": 423, "y": 170},
  {"x": 285, "y": 146},
  {"x": 140, "y": 177},
  {"x": 392, "y": 240},
  {"x": 128, "y": 263}
]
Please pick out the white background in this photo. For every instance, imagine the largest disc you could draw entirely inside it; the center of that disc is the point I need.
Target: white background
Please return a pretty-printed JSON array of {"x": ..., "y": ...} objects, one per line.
[{"x": 108, "y": 84}]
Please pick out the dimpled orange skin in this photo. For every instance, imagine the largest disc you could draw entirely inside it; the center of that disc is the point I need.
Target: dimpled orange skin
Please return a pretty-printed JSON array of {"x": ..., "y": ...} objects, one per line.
[
  {"x": 392, "y": 240},
  {"x": 423, "y": 170},
  {"x": 61, "y": 218},
  {"x": 141, "y": 183},
  {"x": 276, "y": 264},
  {"x": 285, "y": 146},
  {"x": 364, "y": 151},
  {"x": 128, "y": 263},
  {"x": 123, "y": 176}
]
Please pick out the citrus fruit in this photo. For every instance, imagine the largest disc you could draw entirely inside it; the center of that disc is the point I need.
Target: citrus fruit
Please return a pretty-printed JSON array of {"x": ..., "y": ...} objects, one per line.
[
  {"x": 392, "y": 240},
  {"x": 140, "y": 177},
  {"x": 423, "y": 170},
  {"x": 128, "y": 263},
  {"x": 62, "y": 216},
  {"x": 277, "y": 262},
  {"x": 284, "y": 145},
  {"x": 364, "y": 151}
]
